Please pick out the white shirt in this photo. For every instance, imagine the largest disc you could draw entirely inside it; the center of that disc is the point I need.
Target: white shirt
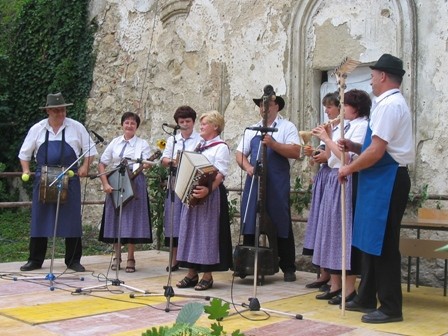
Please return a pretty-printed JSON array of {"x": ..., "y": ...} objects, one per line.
[
  {"x": 181, "y": 144},
  {"x": 76, "y": 136},
  {"x": 391, "y": 121},
  {"x": 218, "y": 155},
  {"x": 137, "y": 148},
  {"x": 287, "y": 134},
  {"x": 356, "y": 132}
]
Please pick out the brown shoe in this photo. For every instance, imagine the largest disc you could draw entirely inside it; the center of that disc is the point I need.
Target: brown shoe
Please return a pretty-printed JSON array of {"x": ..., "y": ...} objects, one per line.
[
  {"x": 113, "y": 267},
  {"x": 204, "y": 285},
  {"x": 130, "y": 266},
  {"x": 188, "y": 282}
]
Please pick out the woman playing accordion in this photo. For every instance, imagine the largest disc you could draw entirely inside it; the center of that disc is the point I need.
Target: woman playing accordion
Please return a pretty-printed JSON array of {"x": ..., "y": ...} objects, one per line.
[{"x": 204, "y": 235}]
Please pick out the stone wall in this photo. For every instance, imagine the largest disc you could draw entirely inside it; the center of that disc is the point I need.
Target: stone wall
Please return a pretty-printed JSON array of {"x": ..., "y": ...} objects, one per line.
[{"x": 153, "y": 56}]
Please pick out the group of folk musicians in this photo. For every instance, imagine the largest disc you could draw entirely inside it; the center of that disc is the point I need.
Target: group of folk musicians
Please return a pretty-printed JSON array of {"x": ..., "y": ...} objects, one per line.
[{"x": 370, "y": 161}]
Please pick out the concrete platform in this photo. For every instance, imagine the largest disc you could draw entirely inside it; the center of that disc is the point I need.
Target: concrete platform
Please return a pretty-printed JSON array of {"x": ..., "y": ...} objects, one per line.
[{"x": 88, "y": 304}]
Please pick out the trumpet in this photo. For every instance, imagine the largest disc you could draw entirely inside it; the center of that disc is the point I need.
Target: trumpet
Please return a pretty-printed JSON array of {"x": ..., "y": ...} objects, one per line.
[{"x": 307, "y": 135}]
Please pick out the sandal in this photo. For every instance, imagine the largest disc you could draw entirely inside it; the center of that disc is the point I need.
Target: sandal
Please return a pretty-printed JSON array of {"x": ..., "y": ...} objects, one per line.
[
  {"x": 113, "y": 267},
  {"x": 188, "y": 282},
  {"x": 174, "y": 268},
  {"x": 130, "y": 266},
  {"x": 204, "y": 285}
]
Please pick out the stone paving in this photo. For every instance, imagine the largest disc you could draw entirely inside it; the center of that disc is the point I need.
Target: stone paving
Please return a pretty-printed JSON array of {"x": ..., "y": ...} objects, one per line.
[{"x": 87, "y": 304}]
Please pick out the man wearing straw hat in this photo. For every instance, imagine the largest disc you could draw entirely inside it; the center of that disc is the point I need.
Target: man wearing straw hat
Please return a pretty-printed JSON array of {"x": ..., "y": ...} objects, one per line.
[
  {"x": 383, "y": 188},
  {"x": 56, "y": 141}
]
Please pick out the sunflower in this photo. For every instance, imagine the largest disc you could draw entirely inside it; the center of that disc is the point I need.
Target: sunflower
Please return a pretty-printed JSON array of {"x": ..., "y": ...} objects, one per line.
[{"x": 161, "y": 144}]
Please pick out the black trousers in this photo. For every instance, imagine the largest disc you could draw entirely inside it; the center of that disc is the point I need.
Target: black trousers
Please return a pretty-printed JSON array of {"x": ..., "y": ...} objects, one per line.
[
  {"x": 286, "y": 250},
  {"x": 38, "y": 249},
  {"x": 381, "y": 275}
]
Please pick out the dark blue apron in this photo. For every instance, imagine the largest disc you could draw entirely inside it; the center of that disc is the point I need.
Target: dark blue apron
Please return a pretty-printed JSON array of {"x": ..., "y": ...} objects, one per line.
[
  {"x": 277, "y": 192},
  {"x": 59, "y": 153},
  {"x": 375, "y": 185}
]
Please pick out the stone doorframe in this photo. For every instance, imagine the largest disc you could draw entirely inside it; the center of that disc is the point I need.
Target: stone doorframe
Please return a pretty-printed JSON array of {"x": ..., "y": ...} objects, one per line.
[{"x": 304, "y": 82}]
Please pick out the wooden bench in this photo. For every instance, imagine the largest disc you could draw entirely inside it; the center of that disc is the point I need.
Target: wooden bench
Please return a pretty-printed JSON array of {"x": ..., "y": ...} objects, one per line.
[{"x": 428, "y": 219}]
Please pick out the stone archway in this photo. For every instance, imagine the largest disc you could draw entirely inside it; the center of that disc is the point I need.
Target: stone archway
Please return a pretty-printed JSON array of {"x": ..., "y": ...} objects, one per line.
[{"x": 323, "y": 32}]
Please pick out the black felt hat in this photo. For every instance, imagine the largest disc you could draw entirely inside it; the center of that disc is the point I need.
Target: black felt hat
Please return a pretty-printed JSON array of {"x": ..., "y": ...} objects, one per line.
[
  {"x": 279, "y": 100},
  {"x": 389, "y": 64}
]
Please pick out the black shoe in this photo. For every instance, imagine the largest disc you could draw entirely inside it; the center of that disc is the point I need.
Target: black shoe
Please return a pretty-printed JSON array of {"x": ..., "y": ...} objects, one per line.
[
  {"x": 324, "y": 288},
  {"x": 354, "y": 306},
  {"x": 241, "y": 275},
  {"x": 289, "y": 277},
  {"x": 77, "y": 267},
  {"x": 338, "y": 299},
  {"x": 379, "y": 317},
  {"x": 30, "y": 266},
  {"x": 328, "y": 295},
  {"x": 317, "y": 284},
  {"x": 173, "y": 268}
]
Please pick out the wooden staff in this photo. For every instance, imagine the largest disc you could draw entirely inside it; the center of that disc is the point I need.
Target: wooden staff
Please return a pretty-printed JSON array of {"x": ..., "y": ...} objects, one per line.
[{"x": 347, "y": 66}]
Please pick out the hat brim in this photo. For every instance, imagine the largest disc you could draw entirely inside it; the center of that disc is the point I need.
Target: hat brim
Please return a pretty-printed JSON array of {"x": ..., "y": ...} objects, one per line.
[
  {"x": 279, "y": 100},
  {"x": 54, "y": 106},
  {"x": 393, "y": 71}
]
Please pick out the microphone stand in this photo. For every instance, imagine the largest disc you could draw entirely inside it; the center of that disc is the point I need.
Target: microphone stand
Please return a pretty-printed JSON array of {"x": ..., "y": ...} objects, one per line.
[
  {"x": 168, "y": 291},
  {"x": 254, "y": 303},
  {"x": 58, "y": 183},
  {"x": 116, "y": 282}
]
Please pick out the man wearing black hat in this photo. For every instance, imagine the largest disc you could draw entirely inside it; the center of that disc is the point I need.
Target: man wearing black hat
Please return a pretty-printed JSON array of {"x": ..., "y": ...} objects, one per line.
[
  {"x": 281, "y": 139},
  {"x": 54, "y": 142},
  {"x": 383, "y": 188}
]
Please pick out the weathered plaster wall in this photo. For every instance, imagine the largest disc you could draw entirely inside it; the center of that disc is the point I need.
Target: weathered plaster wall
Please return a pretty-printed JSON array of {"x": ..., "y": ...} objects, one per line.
[
  {"x": 153, "y": 56},
  {"x": 432, "y": 104}
]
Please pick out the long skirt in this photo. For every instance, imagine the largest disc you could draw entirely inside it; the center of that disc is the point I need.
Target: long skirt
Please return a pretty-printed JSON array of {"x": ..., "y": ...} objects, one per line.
[
  {"x": 319, "y": 184},
  {"x": 328, "y": 242},
  {"x": 204, "y": 235},
  {"x": 135, "y": 225}
]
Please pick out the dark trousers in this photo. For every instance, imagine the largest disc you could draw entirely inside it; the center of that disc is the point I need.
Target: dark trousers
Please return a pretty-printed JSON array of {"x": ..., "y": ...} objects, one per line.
[
  {"x": 38, "y": 249},
  {"x": 381, "y": 275},
  {"x": 286, "y": 250}
]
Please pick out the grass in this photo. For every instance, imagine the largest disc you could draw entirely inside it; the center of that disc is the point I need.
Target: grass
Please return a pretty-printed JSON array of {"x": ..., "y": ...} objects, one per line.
[{"x": 15, "y": 233}]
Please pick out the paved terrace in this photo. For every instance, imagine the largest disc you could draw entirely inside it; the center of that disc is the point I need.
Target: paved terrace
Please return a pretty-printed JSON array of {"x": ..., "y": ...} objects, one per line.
[{"x": 32, "y": 307}]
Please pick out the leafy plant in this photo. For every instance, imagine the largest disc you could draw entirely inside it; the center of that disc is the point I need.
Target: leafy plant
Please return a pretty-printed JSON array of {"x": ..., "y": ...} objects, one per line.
[
  {"x": 417, "y": 199},
  {"x": 233, "y": 208},
  {"x": 188, "y": 316},
  {"x": 157, "y": 184},
  {"x": 157, "y": 178},
  {"x": 47, "y": 48},
  {"x": 15, "y": 233},
  {"x": 9, "y": 11},
  {"x": 300, "y": 197}
]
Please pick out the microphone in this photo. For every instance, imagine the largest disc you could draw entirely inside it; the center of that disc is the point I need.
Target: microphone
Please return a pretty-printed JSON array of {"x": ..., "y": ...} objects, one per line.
[
  {"x": 263, "y": 129},
  {"x": 268, "y": 91},
  {"x": 99, "y": 137},
  {"x": 173, "y": 126}
]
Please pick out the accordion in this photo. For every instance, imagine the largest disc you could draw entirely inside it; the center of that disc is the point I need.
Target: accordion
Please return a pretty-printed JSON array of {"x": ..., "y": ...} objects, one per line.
[{"x": 193, "y": 170}]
